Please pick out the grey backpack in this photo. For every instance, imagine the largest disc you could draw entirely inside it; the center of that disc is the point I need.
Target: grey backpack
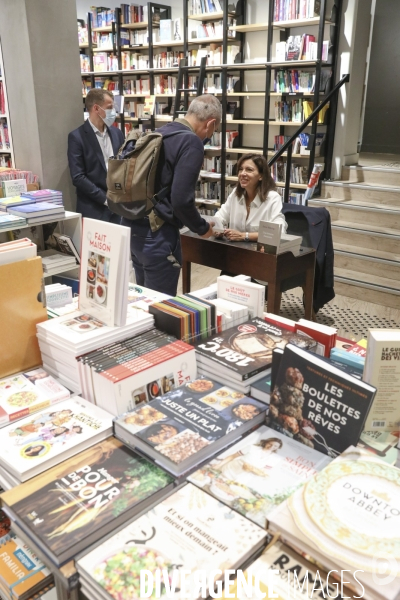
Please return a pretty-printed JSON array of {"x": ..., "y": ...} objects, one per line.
[{"x": 131, "y": 176}]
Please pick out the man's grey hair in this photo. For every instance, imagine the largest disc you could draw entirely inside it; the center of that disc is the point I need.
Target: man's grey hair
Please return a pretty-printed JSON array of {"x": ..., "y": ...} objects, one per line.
[{"x": 206, "y": 107}]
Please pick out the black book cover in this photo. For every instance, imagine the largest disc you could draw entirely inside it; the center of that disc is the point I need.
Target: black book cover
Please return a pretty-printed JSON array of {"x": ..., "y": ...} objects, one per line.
[{"x": 318, "y": 404}]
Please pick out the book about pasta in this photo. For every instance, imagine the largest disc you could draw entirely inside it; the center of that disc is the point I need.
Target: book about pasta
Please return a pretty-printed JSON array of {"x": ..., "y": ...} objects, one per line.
[
  {"x": 104, "y": 271},
  {"x": 190, "y": 530},
  {"x": 76, "y": 503},
  {"x": 317, "y": 403},
  {"x": 189, "y": 424},
  {"x": 246, "y": 350},
  {"x": 259, "y": 472},
  {"x": 40, "y": 441},
  {"x": 26, "y": 393}
]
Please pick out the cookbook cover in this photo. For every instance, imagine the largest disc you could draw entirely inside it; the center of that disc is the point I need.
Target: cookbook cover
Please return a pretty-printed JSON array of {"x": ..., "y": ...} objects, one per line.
[
  {"x": 189, "y": 418},
  {"x": 246, "y": 349},
  {"x": 37, "y": 439},
  {"x": 26, "y": 393},
  {"x": 68, "y": 503},
  {"x": 259, "y": 472},
  {"x": 318, "y": 404},
  {"x": 189, "y": 530}
]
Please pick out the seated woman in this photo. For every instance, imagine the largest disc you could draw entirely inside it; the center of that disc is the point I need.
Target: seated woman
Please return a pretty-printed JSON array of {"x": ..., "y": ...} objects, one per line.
[{"x": 253, "y": 200}]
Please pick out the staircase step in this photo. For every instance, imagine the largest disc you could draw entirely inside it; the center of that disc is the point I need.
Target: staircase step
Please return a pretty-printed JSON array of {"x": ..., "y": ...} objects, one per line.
[
  {"x": 369, "y": 253},
  {"x": 382, "y": 284},
  {"x": 372, "y": 228},
  {"x": 368, "y": 218},
  {"x": 372, "y": 242},
  {"x": 360, "y": 204},
  {"x": 367, "y": 267},
  {"x": 350, "y": 289},
  {"x": 367, "y": 193},
  {"x": 375, "y": 175}
]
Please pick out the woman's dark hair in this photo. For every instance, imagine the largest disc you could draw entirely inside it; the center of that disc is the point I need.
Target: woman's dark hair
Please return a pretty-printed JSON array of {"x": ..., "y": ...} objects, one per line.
[
  {"x": 65, "y": 429},
  {"x": 268, "y": 441},
  {"x": 266, "y": 185},
  {"x": 29, "y": 451}
]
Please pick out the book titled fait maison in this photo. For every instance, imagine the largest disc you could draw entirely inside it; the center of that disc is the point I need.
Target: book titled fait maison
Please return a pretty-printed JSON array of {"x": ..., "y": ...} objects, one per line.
[
  {"x": 26, "y": 393},
  {"x": 317, "y": 403},
  {"x": 259, "y": 472},
  {"x": 189, "y": 424},
  {"x": 76, "y": 503},
  {"x": 189, "y": 530},
  {"x": 104, "y": 271},
  {"x": 40, "y": 441}
]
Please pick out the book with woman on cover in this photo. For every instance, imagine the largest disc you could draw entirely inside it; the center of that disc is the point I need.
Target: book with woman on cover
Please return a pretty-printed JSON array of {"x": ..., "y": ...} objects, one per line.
[{"x": 76, "y": 503}]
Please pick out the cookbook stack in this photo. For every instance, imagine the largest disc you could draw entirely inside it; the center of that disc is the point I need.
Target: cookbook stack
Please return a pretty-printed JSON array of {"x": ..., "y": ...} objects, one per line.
[
  {"x": 37, "y": 196},
  {"x": 121, "y": 375},
  {"x": 64, "y": 338}
]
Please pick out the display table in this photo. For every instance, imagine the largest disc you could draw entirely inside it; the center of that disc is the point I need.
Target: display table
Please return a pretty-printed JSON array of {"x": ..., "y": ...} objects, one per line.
[{"x": 244, "y": 258}]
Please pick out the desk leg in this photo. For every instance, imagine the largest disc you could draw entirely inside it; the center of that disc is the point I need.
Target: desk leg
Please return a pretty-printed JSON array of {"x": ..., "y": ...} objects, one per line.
[
  {"x": 186, "y": 272},
  {"x": 274, "y": 297},
  {"x": 308, "y": 293}
]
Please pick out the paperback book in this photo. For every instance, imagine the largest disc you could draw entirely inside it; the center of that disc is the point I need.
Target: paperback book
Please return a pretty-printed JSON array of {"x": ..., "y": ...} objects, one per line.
[
  {"x": 318, "y": 404},
  {"x": 73, "y": 505},
  {"x": 188, "y": 531},
  {"x": 27, "y": 393},
  {"x": 247, "y": 293},
  {"x": 259, "y": 472},
  {"x": 38, "y": 442},
  {"x": 189, "y": 424},
  {"x": 104, "y": 271}
]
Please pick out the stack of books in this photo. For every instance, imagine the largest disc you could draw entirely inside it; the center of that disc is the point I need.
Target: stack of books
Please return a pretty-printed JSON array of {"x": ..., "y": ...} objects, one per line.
[
  {"x": 84, "y": 498},
  {"x": 53, "y": 196},
  {"x": 8, "y": 221},
  {"x": 13, "y": 202},
  {"x": 54, "y": 262},
  {"x": 188, "y": 425},
  {"x": 58, "y": 295},
  {"x": 17, "y": 250},
  {"x": 345, "y": 518},
  {"x": 62, "y": 339},
  {"x": 41, "y": 212},
  {"x": 122, "y": 375},
  {"x": 40, "y": 441},
  {"x": 26, "y": 393},
  {"x": 188, "y": 532}
]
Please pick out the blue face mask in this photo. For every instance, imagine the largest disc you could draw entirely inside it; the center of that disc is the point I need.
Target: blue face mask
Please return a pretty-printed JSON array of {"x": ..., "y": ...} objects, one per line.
[{"x": 111, "y": 115}]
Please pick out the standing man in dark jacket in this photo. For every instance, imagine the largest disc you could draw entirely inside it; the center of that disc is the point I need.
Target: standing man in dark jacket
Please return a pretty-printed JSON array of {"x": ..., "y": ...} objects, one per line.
[
  {"x": 89, "y": 148},
  {"x": 156, "y": 253}
]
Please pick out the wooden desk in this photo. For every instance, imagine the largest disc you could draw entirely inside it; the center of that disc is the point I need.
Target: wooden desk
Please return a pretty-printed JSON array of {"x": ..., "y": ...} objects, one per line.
[{"x": 243, "y": 258}]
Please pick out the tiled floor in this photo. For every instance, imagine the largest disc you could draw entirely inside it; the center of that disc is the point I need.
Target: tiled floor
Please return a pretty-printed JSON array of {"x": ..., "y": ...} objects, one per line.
[{"x": 352, "y": 317}]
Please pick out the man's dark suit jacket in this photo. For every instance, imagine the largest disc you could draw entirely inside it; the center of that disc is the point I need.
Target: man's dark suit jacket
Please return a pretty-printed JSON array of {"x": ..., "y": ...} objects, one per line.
[{"x": 88, "y": 169}]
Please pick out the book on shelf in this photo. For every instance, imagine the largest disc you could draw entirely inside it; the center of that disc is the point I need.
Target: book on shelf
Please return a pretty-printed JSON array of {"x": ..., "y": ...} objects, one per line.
[
  {"x": 317, "y": 403},
  {"x": 120, "y": 376},
  {"x": 40, "y": 441},
  {"x": 13, "y": 187},
  {"x": 58, "y": 295},
  {"x": 76, "y": 503},
  {"x": 259, "y": 472},
  {"x": 22, "y": 573},
  {"x": 17, "y": 250},
  {"x": 186, "y": 532},
  {"x": 166, "y": 30},
  {"x": 26, "y": 393},
  {"x": 271, "y": 240},
  {"x": 344, "y": 518},
  {"x": 382, "y": 369},
  {"x": 104, "y": 271},
  {"x": 65, "y": 244},
  {"x": 189, "y": 424},
  {"x": 290, "y": 10},
  {"x": 42, "y": 209}
]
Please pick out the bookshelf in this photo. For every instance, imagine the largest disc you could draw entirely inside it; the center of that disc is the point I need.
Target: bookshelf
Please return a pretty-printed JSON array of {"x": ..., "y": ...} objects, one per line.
[
  {"x": 256, "y": 113},
  {"x": 6, "y": 145}
]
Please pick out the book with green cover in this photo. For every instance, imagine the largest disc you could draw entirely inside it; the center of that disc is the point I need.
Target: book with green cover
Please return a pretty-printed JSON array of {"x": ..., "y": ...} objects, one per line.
[{"x": 73, "y": 505}]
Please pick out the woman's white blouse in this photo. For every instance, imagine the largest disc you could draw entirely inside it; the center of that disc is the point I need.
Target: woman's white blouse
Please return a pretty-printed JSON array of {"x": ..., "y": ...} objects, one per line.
[{"x": 233, "y": 213}]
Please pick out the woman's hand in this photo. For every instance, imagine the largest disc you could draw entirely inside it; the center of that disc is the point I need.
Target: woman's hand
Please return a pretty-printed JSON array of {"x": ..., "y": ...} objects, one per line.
[{"x": 234, "y": 235}]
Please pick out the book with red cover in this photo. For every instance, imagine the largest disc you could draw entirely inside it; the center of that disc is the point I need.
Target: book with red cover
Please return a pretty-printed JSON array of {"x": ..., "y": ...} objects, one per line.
[{"x": 325, "y": 336}]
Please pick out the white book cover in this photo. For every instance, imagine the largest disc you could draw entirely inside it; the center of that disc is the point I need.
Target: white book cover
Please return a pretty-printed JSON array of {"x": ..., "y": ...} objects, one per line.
[
  {"x": 382, "y": 370},
  {"x": 251, "y": 295},
  {"x": 166, "y": 26},
  {"x": 269, "y": 234},
  {"x": 28, "y": 392},
  {"x": 104, "y": 263},
  {"x": 15, "y": 254},
  {"x": 39, "y": 441},
  {"x": 259, "y": 472},
  {"x": 13, "y": 187},
  {"x": 189, "y": 530},
  {"x": 142, "y": 297}
]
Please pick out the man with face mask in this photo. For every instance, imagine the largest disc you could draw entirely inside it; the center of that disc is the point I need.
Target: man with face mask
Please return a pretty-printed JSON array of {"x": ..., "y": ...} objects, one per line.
[
  {"x": 156, "y": 252},
  {"x": 89, "y": 148}
]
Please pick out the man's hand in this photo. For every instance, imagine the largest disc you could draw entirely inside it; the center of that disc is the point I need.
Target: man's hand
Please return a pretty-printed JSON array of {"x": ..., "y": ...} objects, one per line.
[
  {"x": 234, "y": 235},
  {"x": 210, "y": 231}
]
